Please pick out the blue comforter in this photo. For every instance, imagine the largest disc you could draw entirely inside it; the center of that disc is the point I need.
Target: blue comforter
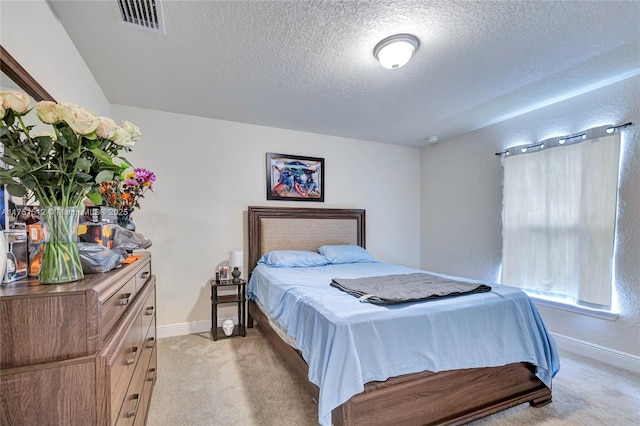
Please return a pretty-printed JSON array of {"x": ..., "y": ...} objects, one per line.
[{"x": 347, "y": 343}]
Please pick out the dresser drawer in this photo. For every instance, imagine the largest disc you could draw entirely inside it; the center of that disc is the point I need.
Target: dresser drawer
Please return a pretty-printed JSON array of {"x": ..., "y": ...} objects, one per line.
[
  {"x": 143, "y": 275},
  {"x": 149, "y": 344},
  {"x": 149, "y": 381},
  {"x": 124, "y": 365},
  {"x": 149, "y": 309},
  {"x": 116, "y": 305},
  {"x": 133, "y": 402},
  {"x": 152, "y": 372},
  {"x": 134, "y": 405}
]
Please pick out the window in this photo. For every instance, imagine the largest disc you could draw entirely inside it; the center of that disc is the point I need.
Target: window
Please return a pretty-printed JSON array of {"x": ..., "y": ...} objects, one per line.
[{"x": 559, "y": 207}]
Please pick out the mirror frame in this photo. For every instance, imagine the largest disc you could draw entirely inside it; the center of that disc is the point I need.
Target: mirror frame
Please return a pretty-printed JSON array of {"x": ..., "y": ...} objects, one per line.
[{"x": 10, "y": 66}]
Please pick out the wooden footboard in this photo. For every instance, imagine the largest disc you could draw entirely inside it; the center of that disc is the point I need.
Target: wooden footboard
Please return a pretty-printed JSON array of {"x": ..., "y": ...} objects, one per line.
[{"x": 444, "y": 398}]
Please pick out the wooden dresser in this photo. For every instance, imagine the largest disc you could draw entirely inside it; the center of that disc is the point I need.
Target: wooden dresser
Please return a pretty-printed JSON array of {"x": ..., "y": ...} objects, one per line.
[{"x": 82, "y": 353}]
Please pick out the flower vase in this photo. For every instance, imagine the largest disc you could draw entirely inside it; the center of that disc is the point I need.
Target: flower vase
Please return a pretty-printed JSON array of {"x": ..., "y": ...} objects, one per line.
[
  {"x": 124, "y": 220},
  {"x": 60, "y": 258}
]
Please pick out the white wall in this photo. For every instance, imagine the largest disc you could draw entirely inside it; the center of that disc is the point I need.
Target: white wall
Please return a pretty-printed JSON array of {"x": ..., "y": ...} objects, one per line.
[
  {"x": 32, "y": 34},
  {"x": 209, "y": 171},
  {"x": 462, "y": 199}
]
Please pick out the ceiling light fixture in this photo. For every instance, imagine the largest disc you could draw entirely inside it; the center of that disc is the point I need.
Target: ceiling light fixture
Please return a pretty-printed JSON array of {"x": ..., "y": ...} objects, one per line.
[{"x": 395, "y": 51}]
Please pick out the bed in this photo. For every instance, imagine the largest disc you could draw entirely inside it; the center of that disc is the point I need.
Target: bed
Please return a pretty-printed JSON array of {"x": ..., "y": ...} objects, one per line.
[{"x": 450, "y": 396}]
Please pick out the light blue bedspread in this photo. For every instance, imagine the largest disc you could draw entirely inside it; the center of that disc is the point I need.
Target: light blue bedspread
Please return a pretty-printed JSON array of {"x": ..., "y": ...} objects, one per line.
[{"x": 347, "y": 343}]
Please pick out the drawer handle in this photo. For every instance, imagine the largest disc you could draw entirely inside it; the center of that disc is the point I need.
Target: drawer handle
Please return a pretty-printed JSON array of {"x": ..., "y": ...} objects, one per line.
[
  {"x": 132, "y": 413},
  {"x": 131, "y": 360},
  {"x": 149, "y": 310},
  {"x": 124, "y": 300},
  {"x": 152, "y": 371},
  {"x": 150, "y": 342},
  {"x": 145, "y": 274}
]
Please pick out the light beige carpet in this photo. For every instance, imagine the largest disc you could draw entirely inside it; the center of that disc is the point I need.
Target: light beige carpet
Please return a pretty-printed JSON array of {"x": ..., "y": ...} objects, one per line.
[{"x": 242, "y": 381}]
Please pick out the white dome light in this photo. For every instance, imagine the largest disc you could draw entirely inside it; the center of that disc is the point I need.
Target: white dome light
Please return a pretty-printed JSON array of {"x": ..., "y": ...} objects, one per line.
[{"x": 395, "y": 51}]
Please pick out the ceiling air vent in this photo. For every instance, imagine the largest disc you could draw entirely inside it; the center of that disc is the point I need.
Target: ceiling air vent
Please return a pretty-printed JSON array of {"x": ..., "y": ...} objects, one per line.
[{"x": 146, "y": 14}]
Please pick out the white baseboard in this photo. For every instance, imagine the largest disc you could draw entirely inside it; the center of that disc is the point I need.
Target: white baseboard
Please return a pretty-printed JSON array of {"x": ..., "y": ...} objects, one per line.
[
  {"x": 600, "y": 353},
  {"x": 183, "y": 329},
  {"x": 590, "y": 350}
]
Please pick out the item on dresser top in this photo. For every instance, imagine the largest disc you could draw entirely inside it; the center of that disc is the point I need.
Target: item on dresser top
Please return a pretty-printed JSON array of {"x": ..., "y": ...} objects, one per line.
[
  {"x": 405, "y": 288},
  {"x": 130, "y": 240},
  {"x": 131, "y": 258},
  {"x": 60, "y": 258},
  {"x": 96, "y": 258},
  {"x": 3, "y": 255},
  {"x": 36, "y": 238},
  {"x": 98, "y": 233},
  {"x": 17, "y": 255},
  {"x": 100, "y": 214}
]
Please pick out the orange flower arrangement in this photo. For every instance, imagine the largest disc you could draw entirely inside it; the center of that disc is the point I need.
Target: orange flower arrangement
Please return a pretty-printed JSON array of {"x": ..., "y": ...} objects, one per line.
[{"x": 125, "y": 193}]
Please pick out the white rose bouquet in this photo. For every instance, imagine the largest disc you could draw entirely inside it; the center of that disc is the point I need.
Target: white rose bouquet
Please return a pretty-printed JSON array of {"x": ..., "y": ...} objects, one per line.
[
  {"x": 67, "y": 164},
  {"x": 59, "y": 168}
]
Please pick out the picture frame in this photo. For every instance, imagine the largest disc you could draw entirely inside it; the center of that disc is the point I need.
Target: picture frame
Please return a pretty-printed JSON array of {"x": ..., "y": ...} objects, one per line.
[
  {"x": 294, "y": 177},
  {"x": 223, "y": 273}
]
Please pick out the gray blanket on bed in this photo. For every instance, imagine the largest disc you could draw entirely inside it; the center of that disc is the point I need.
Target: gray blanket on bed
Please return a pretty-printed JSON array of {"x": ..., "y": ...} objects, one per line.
[{"x": 403, "y": 288}]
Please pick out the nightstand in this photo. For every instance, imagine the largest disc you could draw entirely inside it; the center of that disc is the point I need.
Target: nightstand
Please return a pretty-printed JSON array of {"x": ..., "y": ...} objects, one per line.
[{"x": 239, "y": 296}]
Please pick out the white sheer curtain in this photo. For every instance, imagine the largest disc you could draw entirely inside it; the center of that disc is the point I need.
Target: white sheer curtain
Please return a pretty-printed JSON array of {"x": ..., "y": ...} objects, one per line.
[{"x": 559, "y": 220}]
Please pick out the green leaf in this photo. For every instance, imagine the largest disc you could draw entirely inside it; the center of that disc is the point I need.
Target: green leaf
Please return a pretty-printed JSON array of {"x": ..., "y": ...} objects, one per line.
[
  {"x": 124, "y": 160},
  {"x": 102, "y": 156},
  {"x": 28, "y": 181},
  {"x": 111, "y": 167},
  {"x": 10, "y": 117},
  {"x": 68, "y": 134},
  {"x": 8, "y": 151},
  {"x": 104, "y": 176},
  {"x": 16, "y": 190},
  {"x": 15, "y": 171},
  {"x": 84, "y": 177},
  {"x": 83, "y": 164},
  {"x": 9, "y": 161},
  {"x": 62, "y": 140},
  {"x": 95, "y": 197},
  {"x": 45, "y": 143}
]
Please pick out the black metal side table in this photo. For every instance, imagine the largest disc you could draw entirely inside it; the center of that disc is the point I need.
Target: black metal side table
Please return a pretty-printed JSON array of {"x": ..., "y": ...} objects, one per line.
[{"x": 239, "y": 297}]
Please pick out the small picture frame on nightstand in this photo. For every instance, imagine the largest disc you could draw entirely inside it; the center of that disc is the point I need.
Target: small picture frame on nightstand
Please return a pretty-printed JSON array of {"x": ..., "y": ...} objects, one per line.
[{"x": 223, "y": 273}]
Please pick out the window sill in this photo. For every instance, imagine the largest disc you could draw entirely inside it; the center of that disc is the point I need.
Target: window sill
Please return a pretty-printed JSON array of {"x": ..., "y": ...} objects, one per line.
[{"x": 607, "y": 315}]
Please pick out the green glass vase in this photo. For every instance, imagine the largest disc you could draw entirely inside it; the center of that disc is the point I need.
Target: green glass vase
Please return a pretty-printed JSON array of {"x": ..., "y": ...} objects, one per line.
[{"x": 60, "y": 257}]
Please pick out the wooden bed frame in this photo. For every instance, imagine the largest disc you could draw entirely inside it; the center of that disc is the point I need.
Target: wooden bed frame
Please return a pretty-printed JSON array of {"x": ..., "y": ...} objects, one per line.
[{"x": 445, "y": 398}]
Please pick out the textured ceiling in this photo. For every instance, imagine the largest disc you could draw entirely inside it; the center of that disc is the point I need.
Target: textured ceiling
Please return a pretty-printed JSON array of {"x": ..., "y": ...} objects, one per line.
[{"x": 308, "y": 65}]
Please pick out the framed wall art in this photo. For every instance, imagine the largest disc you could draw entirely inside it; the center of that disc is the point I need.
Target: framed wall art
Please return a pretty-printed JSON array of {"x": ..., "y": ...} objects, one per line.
[{"x": 294, "y": 177}]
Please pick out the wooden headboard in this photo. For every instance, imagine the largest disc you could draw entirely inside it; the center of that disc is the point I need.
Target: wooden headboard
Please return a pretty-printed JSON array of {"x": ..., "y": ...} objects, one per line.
[{"x": 290, "y": 228}]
